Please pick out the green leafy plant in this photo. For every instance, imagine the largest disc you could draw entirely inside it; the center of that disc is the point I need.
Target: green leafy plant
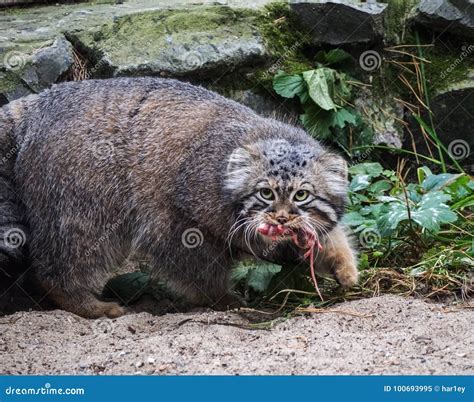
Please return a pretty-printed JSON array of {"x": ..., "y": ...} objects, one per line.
[
  {"x": 325, "y": 95},
  {"x": 397, "y": 223},
  {"x": 256, "y": 277}
]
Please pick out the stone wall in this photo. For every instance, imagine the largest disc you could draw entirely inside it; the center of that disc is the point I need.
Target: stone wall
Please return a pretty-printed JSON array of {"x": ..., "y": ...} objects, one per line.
[{"x": 235, "y": 47}]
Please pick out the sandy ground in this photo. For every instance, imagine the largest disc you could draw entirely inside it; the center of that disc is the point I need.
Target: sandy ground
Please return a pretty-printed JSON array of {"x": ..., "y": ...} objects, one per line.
[{"x": 386, "y": 335}]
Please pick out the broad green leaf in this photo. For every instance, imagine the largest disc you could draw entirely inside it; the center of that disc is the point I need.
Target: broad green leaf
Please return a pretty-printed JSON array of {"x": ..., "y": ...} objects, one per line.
[
  {"x": 317, "y": 121},
  {"x": 261, "y": 275},
  {"x": 371, "y": 169},
  {"x": 360, "y": 197},
  {"x": 380, "y": 186},
  {"x": 438, "y": 181},
  {"x": 359, "y": 182},
  {"x": 257, "y": 275},
  {"x": 240, "y": 271},
  {"x": 433, "y": 211},
  {"x": 289, "y": 85},
  {"x": 320, "y": 87},
  {"x": 390, "y": 216},
  {"x": 413, "y": 191},
  {"x": 127, "y": 287},
  {"x": 343, "y": 116},
  {"x": 374, "y": 210},
  {"x": 460, "y": 188},
  {"x": 353, "y": 219}
]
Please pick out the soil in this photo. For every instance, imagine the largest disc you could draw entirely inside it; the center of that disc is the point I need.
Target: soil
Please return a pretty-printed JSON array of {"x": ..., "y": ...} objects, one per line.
[{"x": 381, "y": 335}]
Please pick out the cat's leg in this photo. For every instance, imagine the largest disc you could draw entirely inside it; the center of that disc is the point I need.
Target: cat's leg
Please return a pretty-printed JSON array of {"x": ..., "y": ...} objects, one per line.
[
  {"x": 198, "y": 272},
  {"x": 74, "y": 271},
  {"x": 81, "y": 300},
  {"x": 338, "y": 258}
]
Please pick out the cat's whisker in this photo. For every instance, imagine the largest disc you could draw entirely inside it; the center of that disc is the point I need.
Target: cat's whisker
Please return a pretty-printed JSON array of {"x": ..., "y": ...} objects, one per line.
[
  {"x": 247, "y": 239},
  {"x": 235, "y": 228},
  {"x": 323, "y": 229}
]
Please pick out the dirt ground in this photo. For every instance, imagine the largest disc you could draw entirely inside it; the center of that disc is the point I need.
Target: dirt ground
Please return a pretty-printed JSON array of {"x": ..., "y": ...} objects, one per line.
[{"x": 382, "y": 335}]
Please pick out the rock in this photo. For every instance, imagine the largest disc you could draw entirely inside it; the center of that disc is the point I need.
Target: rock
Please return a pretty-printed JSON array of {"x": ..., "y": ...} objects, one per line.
[
  {"x": 133, "y": 38},
  {"x": 48, "y": 64},
  {"x": 454, "y": 16},
  {"x": 384, "y": 117},
  {"x": 341, "y": 22},
  {"x": 265, "y": 105},
  {"x": 25, "y": 73},
  {"x": 174, "y": 42},
  {"x": 452, "y": 114}
]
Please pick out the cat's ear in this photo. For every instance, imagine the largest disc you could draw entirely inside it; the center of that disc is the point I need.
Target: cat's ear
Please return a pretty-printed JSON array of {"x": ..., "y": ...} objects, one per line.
[
  {"x": 334, "y": 164},
  {"x": 240, "y": 166},
  {"x": 332, "y": 169},
  {"x": 339, "y": 166}
]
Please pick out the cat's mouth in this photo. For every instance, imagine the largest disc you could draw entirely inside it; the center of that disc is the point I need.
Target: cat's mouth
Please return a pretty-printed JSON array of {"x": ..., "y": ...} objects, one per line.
[
  {"x": 272, "y": 230},
  {"x": 299, "y": 236}
]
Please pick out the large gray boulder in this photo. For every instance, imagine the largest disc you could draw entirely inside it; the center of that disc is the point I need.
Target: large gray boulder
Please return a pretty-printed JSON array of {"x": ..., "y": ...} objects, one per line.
[
  {"x": 23, "y": 73},
  {"x": 453, "y": 109},
  {"x": 340, "y": 22},
  {"x": 195, "y": 41},
  {"x": 136, "y": 37},
  {"x": 454, "y": 16}
]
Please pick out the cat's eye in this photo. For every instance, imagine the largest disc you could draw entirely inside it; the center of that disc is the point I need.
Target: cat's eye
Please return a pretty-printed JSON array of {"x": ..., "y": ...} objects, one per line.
[
  {"x": 301, "y": 195},
  {"x": 267, "y": 194}
]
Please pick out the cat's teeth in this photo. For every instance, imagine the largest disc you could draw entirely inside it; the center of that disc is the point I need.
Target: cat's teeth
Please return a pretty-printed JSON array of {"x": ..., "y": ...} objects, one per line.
[
  {"x": 263, "y": 228},
  {"x": 268, "y": 229}
]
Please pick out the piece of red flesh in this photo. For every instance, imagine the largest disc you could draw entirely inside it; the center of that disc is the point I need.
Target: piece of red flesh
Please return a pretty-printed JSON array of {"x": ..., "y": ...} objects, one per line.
[{"x": 308, "y": 242}]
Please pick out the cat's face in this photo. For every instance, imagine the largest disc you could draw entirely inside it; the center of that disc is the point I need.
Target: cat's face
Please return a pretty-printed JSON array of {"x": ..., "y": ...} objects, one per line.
[{"x": 287, "y": 186}]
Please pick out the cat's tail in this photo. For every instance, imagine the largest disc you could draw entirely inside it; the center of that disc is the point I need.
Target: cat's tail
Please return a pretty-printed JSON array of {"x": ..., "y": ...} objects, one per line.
[{"x": 13, "y": 230}]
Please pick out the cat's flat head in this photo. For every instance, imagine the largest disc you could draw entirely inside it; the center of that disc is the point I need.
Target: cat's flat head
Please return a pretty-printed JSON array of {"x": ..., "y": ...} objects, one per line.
[{"x": 294, "y": 185}]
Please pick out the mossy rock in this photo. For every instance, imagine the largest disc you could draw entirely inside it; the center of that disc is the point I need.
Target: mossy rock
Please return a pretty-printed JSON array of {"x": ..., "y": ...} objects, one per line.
[
  {"x": 24, "y": 73},
  {"x": 198, "y": 40}
]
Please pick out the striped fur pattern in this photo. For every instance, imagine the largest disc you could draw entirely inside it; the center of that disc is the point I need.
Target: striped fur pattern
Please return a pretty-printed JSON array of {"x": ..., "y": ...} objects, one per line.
[{"x": 103, "y": 169}]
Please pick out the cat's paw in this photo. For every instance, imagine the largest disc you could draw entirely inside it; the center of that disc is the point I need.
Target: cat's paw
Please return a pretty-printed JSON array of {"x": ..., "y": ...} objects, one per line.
[
  {"x": 228, "y": 302},
  {"x": 346, "y": 274}
]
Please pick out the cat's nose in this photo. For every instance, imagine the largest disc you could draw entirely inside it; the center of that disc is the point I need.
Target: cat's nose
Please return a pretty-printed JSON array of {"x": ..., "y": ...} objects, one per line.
[{"x": 282, "y": 219}]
